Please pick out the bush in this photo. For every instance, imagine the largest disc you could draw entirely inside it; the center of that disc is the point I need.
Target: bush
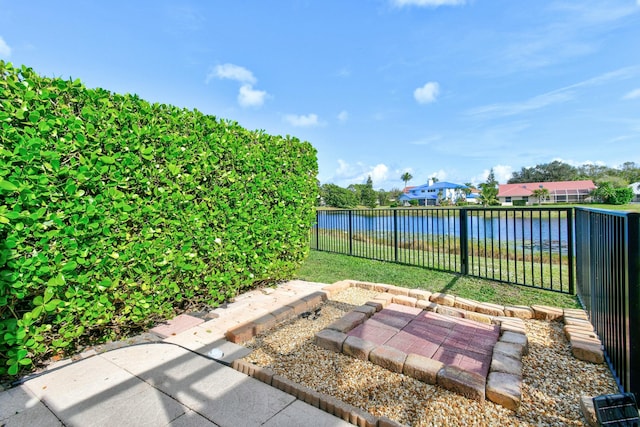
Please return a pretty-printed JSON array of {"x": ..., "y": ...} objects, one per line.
[
  {"x": 607, "y": 193},
  {"x": 115, "y": 212}
]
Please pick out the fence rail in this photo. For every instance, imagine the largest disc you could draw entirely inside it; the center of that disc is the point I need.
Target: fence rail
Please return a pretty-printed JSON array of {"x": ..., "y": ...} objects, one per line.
[
  {"x": 524, "y": 246},
  {"x": 608, "y": 273}
]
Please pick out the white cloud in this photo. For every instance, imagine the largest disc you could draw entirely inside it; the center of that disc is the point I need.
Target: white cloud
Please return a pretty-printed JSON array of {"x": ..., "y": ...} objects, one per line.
[
  {"x": 379, "y": 173},
  {"x": 515, "y": 108},
  {"x": 232, "y": 72},
  {"x": 302, "y": 120},
  {"x": 428, "y": 3},
  {"x": 568, "y": 30},
  {"x": 249, "y": 97},
  {"x": 5, "y": 49},
  {"x": 343, "y": 116},
  {"x": 502, "y": 173},
  {"x": 427, "y": 140},
  {"x": 427, "y": 93},
  {"x": 557, "y": 96},
  {"x": 347, "y": 174},
  {"x": 634, "y": 93},
  {"x": 441, "y": 175}
]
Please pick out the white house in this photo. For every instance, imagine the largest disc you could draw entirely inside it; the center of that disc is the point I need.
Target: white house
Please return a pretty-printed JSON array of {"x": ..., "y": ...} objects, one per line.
[
  {"x": 430, "y": 194},
  {"x": 635, "y": 187}
]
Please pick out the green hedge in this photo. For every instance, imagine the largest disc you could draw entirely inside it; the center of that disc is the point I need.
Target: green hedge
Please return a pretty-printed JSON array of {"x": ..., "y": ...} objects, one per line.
[{"x": 115, "y": 212}]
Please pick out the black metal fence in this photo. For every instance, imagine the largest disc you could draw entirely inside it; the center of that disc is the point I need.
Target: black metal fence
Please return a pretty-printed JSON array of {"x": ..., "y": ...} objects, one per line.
[
  {"x": 524, "y": 246},
  {"x": 608, "y": 273}
]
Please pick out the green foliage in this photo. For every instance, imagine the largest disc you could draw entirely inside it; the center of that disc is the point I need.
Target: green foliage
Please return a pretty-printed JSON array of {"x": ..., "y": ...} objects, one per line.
[
  {"x": 369, "y": 197},
  {"x": 406, "y": 177},
  {"x": 382, "y": 197},
  {"x": 338, "y": 197},
  {"x": 547, "y": 172},
  {"x": 115, "y": 212},
  {"x": 541, "y": 194},
  {"x": 628, "y": 173},
  {"x": 612, "y": 195},
  {"x": 489, "y": 190},
  {"x": 520, "y": 202}
]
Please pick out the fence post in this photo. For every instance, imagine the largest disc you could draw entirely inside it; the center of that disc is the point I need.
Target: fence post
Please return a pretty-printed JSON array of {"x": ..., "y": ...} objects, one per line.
[
  {"x": 464, "y": 242},
  {"x": 317, "y": 230},
  {"x": 570, "y": 248},
  {"x": 350, "y": 232},
  {"x": 633, "y": 301},
  {"x": 395, "y": 235}
]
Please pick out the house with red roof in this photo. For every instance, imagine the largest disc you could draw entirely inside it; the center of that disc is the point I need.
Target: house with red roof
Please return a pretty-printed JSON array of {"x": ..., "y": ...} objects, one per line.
[{"x": 559, "y": 192}]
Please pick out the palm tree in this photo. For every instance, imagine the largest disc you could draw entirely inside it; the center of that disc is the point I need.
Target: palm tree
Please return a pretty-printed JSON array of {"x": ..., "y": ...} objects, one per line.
[
  {"x": 406, "y": 177},
  {"x": 541, "y": 194}
]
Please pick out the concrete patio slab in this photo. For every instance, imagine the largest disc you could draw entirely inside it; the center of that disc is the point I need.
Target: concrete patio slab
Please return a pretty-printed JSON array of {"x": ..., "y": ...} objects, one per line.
[
  {"x": 298, "y": 414},
  {"x": 94, "y": 391},
  {"x": 192, "y": 419},
  {"x": 172, "y": 382},
  {"x": 19, "y": 407}
]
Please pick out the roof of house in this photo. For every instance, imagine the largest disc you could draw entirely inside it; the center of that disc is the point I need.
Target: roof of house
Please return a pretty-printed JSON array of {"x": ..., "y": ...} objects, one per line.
[
  {"x": 407, "y": 189},
  {"x": 558, "y": 187},
  {"x": 419, "y": 192},
  {"x": 438, "y": 186},
  {"x": 421, "y": 196}
]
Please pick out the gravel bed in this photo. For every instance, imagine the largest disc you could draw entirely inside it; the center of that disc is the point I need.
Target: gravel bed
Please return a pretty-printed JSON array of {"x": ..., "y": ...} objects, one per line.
[{"x": 553, "y": 379}]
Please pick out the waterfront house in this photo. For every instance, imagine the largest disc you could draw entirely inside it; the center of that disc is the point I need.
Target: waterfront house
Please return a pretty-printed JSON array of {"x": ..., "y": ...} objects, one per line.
[
  {"x": 432, "y": 194},
  {"x": 559, "y": 192}
]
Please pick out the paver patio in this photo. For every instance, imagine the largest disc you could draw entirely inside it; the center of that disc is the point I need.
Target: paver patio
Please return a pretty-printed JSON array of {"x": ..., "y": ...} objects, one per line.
[{"x": 453, "y": 341}]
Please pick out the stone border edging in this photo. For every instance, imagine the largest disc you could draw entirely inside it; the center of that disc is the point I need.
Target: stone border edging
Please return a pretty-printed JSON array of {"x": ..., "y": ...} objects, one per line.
[
  {"x": 248, "y": 330},
  {"x": 503, "y": 384},
  {"x": 585, "y": 344},
  {"x": 324, "y": 402},
  {"x": 504, "y": 381}
]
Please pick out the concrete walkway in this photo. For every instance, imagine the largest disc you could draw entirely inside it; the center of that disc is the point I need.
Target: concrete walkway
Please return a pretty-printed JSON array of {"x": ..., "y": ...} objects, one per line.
[{"x": 169, "y": 382}]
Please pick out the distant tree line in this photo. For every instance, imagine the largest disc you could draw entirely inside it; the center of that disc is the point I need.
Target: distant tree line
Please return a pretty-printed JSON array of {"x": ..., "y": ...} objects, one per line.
[
  {"x": 628, "y": 173},
  {"x": 356, "y": 195},
  {"x": 612, "y": 183}
]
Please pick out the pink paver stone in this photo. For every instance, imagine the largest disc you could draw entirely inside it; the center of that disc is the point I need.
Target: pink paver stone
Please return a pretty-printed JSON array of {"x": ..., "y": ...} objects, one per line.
[
  {"x": 402, "y": 341},
  {"x": 463, "y": 343},
  {"x": 398, "y": 308},
  {"x": 375, "y": 333},
  {"x": 176, "y": 325},
  {"x": 467, "y": 361},
  {"x": 392, "y": 320},
  {"x": 424, "y": 348}
]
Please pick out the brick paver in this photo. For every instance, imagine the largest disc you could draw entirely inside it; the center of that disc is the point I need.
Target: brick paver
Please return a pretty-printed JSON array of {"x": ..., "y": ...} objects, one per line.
[{"x": 459, "y": 342}]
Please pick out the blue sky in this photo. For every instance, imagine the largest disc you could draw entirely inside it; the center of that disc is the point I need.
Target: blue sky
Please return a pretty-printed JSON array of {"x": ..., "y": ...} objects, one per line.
[{"x": 445, "y": 88}]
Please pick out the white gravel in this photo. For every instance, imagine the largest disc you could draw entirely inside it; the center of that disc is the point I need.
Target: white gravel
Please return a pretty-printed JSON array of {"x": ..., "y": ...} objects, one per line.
[{"x": 553, "y": 379}]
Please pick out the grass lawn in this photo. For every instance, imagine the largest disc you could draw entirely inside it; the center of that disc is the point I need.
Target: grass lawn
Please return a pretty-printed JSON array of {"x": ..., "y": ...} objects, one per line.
[{"x": 325, "y": 267}]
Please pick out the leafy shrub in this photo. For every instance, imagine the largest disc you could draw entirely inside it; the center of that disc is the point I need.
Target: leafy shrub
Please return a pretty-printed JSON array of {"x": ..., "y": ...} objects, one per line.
[
  {"x": 609, "y": 194},
  {"x": 115, "y": 212},
  {"x": 520, "y": 202}
]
